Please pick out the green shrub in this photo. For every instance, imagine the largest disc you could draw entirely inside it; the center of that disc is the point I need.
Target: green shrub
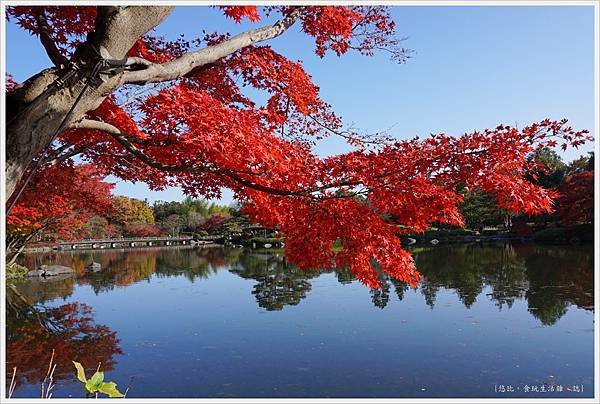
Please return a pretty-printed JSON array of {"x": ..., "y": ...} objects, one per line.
[
  {"x": 265, "y": 240},
  {"x": 16, "y": 271}
]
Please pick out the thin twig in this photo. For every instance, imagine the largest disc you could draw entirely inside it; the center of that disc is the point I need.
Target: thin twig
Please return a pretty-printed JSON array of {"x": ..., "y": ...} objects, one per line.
[
  {"x": 50, "y": 365},
  {"x": 11, "y": 387},
  {"x": 128, "y": 386},
  {"x": 50, "y": 378}
]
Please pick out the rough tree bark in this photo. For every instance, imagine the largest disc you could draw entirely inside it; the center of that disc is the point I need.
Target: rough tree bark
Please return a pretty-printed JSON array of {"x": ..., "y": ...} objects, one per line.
[{"x": 30, "y": 125}]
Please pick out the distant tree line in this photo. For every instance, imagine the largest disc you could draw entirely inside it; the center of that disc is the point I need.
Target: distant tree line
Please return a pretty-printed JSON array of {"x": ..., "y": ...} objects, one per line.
[{"x": 132, "y": 217}]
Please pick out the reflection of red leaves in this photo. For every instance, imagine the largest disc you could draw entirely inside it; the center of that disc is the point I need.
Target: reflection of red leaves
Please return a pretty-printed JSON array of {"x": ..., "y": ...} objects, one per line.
[{"x": 73, "y": 336}]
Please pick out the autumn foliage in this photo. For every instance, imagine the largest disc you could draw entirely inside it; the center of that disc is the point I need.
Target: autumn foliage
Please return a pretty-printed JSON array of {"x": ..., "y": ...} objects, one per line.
[
  {"x": 213, "y": 223},
  {"x": 203, "y": 132},
  {"x": 140, "y": 229},
  {"x": 63, "y": 333},
  {"x": 576, "y": 201},
  {"x": 58, "y": 202}
]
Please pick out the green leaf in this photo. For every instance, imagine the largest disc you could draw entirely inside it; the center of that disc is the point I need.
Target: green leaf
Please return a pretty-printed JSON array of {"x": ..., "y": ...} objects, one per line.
[
  {"x": 97, "y": 378},
  {"x": 91, "y": 387},
  {"x": 80, "y": 372},
  {"x": 110, "y": 389},
  {"x": 94, "y": 383}
]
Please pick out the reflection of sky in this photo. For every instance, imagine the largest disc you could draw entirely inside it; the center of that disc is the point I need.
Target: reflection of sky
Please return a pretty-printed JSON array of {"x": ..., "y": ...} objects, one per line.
[
  {"x": 209, "y": 337},
  {"x": 474, "y": 67}
]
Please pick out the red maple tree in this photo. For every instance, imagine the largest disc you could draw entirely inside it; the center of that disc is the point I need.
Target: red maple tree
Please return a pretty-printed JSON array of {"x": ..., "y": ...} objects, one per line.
[
  {"x": 213, "y": 223},
  {"x": 140, "y": 229},
  {"x": 178, "y": 115},
  {"x": 57, "y": 204},
  {"x": 576, "y": 201}
]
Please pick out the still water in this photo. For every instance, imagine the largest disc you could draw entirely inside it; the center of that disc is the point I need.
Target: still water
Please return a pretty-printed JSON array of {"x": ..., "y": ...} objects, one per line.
[{"x": 233, "y": 323}]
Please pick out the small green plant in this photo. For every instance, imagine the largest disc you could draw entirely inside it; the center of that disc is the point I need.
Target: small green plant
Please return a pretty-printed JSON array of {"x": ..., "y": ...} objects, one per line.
[
  {"x": 96, "y": 383},
  {"x": 16, "y": 271}
]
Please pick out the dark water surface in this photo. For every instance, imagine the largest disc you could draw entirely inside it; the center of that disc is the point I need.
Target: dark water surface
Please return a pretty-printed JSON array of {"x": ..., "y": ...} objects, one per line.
[{"x": 233, "y": 323}]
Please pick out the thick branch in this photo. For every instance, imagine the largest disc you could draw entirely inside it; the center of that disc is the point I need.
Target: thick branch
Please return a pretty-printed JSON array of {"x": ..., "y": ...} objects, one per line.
[
  {"x": 117, "y": 28},
  {"x": 53, "y": 53},
  {"x": 30, "y": 128},
  {"x": 192, "y": 60}
]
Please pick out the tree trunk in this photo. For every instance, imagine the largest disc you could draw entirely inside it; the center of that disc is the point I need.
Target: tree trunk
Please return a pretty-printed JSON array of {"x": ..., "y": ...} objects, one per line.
[
  {"x": 15, "y": 246},
  {"x": 30, "y": 127}
]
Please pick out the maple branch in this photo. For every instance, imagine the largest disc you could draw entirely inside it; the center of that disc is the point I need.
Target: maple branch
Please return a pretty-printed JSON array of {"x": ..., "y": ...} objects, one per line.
[
  {"x": 347, "y": 134},
  {"x": 64, "y": 156},
  {"x": 188, "y": 62},
  {"x": 51, "y": 49},
  {"x": 123, "y": 139},
  {"x": 126, "y": 140}
]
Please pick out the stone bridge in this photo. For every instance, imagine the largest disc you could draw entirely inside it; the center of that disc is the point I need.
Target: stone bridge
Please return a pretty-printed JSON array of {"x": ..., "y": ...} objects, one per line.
[{"x": 126, "y": 243}]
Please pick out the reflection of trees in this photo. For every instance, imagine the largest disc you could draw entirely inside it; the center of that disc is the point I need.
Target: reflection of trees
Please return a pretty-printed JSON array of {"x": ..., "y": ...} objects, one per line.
[
  {"x": 32, "y": 332},
  {"x": 468, "y": 268},
  {"x": 123, "y": 268},
  {"x": 44, "y": 290},
  {"x": 195, "y": 263},
  {"x": 120, "y": 269},
  {"x": 344, "y": 276},
  {"x": 550, "y": 278},
  {"x": 557, "y": 278},
  {"x": 278, "y": 284},
  {"x": 381, "y": 296}
]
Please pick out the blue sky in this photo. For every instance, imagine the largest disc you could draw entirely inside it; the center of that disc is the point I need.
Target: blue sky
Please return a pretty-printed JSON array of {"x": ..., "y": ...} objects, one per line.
[{"x": 473, "y": 68}]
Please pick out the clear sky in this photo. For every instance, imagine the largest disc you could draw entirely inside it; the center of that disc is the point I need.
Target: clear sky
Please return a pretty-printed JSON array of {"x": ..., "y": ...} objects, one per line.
[{"x": 473, "y": 68}]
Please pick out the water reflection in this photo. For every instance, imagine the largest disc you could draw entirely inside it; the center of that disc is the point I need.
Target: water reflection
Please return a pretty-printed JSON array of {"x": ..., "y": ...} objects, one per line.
[
  {"x": 33, "y": 332},
  {"x": 278, "y": 284},
  {"x": 549, "y": 278},
  {"x": 532, "y": 286}
]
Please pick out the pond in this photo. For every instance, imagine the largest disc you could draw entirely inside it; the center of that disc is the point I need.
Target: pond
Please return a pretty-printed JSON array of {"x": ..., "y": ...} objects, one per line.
[{"x": 212, "y": 322}]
